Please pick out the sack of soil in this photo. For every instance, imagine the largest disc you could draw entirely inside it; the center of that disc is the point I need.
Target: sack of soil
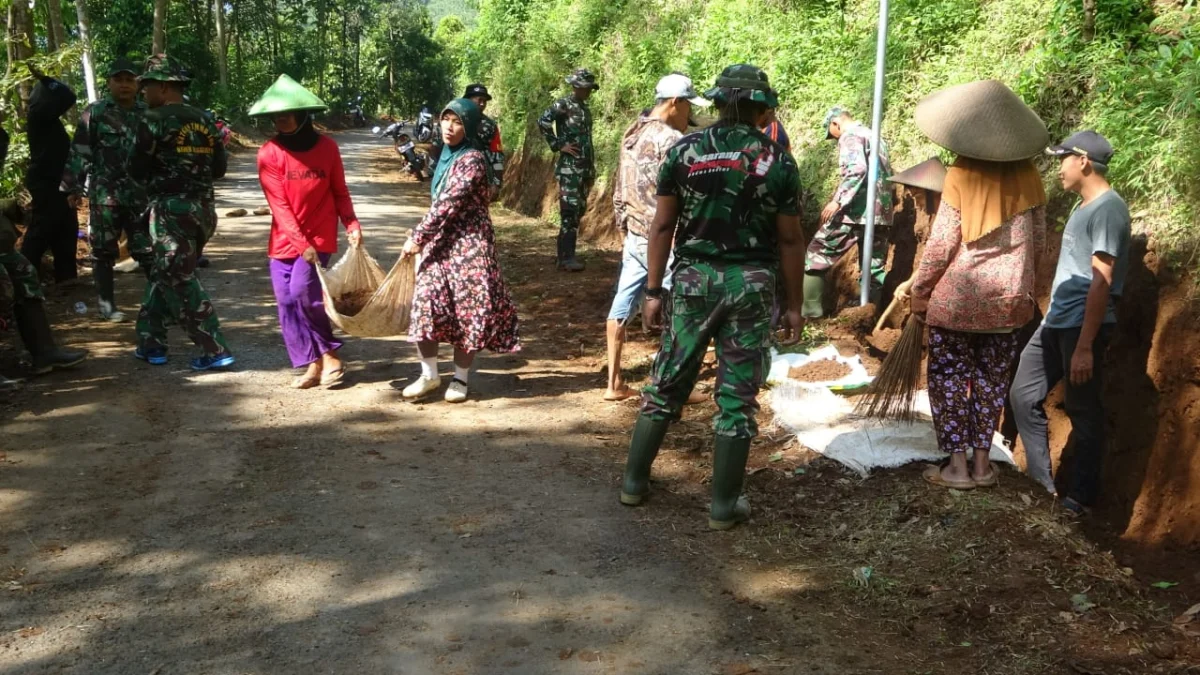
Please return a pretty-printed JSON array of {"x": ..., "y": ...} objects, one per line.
[{"x": 362, "y": 301}]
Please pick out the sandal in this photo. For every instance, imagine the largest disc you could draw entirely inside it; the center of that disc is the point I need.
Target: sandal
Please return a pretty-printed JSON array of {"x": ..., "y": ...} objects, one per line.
[
  {"x": 933, "y": 475},
  {"x": 305, "y": 382},
  {"x": 991, "y": 480},
  {"x": 333, "y": 377}
]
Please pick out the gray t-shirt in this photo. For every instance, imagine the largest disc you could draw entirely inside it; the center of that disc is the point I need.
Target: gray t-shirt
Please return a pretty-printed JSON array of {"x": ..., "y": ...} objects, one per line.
[{"x": 1103, "y": 226}]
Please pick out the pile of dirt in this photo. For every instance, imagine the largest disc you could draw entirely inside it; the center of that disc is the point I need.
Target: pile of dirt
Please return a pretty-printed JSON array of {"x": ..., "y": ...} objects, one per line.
[
  {"x": 859, "y": 320},
  {"x": 352, "y": 302},
  {"x": 825, "y": 370},
  {"x": 885, "y": 339}
]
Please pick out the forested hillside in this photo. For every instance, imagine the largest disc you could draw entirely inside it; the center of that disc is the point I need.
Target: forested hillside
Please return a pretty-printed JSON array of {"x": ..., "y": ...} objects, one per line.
[{"x": 1125, "y": 67}]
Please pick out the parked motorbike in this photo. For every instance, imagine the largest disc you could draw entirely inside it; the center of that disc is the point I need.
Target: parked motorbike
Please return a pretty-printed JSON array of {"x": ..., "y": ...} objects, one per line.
[
  {"x": 424, "y": 126},
  {"x": 415, "y": 161}
]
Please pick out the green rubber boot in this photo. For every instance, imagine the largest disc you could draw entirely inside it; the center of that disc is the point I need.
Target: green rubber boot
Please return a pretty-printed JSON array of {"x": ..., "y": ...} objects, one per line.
[
  {"x": 648, "y": 435},
  {"x": 814, "y": 294},
  {"x": 729, "y": 505}
]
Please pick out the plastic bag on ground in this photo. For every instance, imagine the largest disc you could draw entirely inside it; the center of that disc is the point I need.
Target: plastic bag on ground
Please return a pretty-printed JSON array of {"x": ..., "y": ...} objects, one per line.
[{"x": 374, "y": 304}]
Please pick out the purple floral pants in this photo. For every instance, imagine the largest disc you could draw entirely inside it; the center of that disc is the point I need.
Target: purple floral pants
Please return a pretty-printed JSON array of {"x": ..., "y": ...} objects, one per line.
[{"x": 969, "y": 376}]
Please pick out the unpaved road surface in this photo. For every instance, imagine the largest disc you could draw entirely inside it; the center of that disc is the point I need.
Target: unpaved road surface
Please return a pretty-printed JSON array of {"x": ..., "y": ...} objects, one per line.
[{"x": 153, "y": 520}]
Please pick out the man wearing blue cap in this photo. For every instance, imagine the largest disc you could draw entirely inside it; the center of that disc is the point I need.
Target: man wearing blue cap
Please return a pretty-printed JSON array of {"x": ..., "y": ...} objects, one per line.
[{"x": 1072, "y": 339}]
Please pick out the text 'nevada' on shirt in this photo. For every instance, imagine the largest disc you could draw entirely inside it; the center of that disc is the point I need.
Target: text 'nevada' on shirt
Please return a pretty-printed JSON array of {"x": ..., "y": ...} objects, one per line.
[
  {"x": 178, "y": 153},
  {"x": 731, "y": 181},
  {"x": 1100, "y": 226}
]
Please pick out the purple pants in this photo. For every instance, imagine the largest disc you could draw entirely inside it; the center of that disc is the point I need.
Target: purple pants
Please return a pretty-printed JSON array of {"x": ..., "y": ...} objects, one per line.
[
  {"x": 969, "y": 376},
  {"x": 306, "y": 329}
]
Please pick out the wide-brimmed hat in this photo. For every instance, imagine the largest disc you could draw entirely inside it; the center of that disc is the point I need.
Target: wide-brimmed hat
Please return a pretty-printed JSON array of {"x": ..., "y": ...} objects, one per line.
[
  {"x": 929, "y": 175},
  {"x": 582, "y": 79},
  {"x": 982, "y": 120},
  {"x": 743, "y": 81},
  {"x": 286, "y": 95}
]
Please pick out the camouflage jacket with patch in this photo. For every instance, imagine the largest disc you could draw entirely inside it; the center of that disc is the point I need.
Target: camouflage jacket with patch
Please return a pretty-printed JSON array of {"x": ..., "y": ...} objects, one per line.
[
  {"x": 645, "y": 144},
  {"x": 493, "y": 149},
  {"x": 178, "y": 153},
  {"x": 731, "y": 181},
  {"x": 853, "y": 150},
  {"x": 566, "y": 122},
  {"x": 100, "y": 155}
]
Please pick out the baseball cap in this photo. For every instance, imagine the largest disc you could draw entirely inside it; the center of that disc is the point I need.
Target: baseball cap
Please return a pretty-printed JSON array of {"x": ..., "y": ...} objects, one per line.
[
  {"x": 474, "y": 90},
  {"x": 679, "y": 86},
  {"x": 833, "y": 113},
  {"x": 122, "y": 65},
  {"x": 1086, "y": 143}
]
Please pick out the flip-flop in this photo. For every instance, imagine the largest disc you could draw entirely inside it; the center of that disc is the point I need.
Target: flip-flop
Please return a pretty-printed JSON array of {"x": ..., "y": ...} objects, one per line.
[
  {"x": 333, "y": 377},
  {"x": 933, "y": 475},
  {"x": 304, "y": 382},
  {"x": 992, "y": 480}
]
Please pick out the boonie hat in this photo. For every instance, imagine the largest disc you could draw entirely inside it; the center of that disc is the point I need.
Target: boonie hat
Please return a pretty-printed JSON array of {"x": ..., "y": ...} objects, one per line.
[
  {"x": 676, "y": 85},
  {"x": 833, "y": 113},
  {"x": 121, "y": 65},
  {"x": 286, "y": 95},
  {"x": 583, "y": 79},
  {"x": 929, "y": 175},
  {"x": 163, "y": 68},
  {"x": 1086, "y": 143},
  {"x": 743, "y": 81},
  {"x": 476, "y": 90},
  {"x": 982, "y": 120}
]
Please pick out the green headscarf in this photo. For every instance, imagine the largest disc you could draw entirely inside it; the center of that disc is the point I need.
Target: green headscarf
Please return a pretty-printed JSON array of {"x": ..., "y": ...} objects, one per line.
[{"x": 471, "y": 115}]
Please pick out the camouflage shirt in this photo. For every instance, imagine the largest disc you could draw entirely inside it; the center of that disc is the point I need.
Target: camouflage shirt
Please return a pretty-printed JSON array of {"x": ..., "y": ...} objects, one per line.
[
  {"x": 566, "y": 122},
  {"x": 643, "y": 148},
  {"x": 101, "y": 152},
  {"x": 731, "y": 181},
  {"x": 178, "y": 152},
  {"x": 493, "y": 150},
  {"x": 853, "y": 148}
]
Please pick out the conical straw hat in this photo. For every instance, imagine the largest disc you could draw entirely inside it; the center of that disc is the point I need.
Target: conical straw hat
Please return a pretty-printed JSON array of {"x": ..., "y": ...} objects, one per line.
[
  {"x": 982, "y": 120},
  {"x": 930, "y": 175},
  {"x": 286, "y": 95}
]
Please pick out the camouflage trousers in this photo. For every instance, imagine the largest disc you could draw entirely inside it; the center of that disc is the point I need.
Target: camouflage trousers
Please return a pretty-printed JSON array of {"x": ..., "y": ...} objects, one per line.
[
  {"x": 573, "y": 191},
  {"x": 728, "y": 303},
  {"x": 173, "y": 292},
  {"x": 835, "y": 239},
  {"x": 18, "y": 281},
  {"x": 106, "y": 224}
]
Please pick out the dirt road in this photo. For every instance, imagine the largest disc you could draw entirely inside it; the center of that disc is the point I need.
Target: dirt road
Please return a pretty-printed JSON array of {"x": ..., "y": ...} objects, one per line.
[{"x": 156, "y": 521}]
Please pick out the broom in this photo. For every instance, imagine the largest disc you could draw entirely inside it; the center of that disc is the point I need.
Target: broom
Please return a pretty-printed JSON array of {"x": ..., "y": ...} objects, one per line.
[{"x": 892, "y": 392}]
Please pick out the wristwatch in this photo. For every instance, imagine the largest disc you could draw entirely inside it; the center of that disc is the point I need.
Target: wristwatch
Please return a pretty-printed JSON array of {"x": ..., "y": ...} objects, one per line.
[{"x": 655, "y": 293}]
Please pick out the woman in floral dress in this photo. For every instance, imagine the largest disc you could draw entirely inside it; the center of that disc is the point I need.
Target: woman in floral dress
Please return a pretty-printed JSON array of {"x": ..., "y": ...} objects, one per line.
[{"x": 460, "y": 294}]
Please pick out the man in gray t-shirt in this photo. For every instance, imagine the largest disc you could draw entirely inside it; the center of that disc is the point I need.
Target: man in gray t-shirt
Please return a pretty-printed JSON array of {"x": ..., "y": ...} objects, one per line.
[{"x": 1073, "y": 337}]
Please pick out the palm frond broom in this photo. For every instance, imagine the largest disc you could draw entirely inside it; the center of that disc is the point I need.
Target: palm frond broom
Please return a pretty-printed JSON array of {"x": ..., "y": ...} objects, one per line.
[{"x": 893, "y": 391}]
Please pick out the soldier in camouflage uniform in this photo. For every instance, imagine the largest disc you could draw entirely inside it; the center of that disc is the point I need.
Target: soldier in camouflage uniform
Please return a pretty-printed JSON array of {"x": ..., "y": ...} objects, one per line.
[
  {"x": 178, "y": 152},
  {"x": 22, "y": 300},
  {"x": 567, "y": 126},
  {"x": 844, "y": 218},
  {"x": 729, "y": 196},
  {"x": 99, "y": 161},
  {"x": 489, "y": 138}
]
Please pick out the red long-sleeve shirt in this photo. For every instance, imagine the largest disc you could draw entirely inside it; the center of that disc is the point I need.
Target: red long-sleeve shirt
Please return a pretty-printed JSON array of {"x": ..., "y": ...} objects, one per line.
[{"x": 307, "y": 195}]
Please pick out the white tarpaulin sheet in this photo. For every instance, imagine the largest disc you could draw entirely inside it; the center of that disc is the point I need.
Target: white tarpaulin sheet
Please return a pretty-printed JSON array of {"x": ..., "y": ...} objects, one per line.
[{"x": 824, "y": 422}]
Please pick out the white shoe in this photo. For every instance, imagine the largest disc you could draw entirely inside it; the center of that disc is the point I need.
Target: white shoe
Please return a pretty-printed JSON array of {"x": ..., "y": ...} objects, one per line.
[
  {"x": 456, "y": 392},
  {"x": 115, "y": 316},
  {"x": 422, "y": 387}
]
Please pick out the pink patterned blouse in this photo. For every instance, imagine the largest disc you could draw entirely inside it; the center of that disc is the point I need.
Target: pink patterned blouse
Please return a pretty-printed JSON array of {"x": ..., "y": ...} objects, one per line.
[{"x": 986, "y": 285}]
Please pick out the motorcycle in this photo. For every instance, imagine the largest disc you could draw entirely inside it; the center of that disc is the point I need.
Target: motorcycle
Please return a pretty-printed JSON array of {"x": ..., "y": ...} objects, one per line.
[
  {"x": 416, "y": 162},
  {"x": 356, "y": 112},
  {"x": 424, "y": 126}
]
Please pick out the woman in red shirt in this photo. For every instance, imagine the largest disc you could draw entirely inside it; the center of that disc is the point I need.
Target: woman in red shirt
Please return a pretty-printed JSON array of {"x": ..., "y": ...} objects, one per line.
[{"x": 305, "y": 184}]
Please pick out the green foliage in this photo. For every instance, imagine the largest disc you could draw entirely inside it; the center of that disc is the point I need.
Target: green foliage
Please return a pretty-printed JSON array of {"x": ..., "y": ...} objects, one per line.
[{"x": 1137, "y": 81}]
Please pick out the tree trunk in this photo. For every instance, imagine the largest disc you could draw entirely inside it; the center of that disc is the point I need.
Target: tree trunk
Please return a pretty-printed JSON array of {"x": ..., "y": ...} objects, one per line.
[
  {"x": 222, "y": 44},
  {"x": 159, "y": 45},
  {"x": 20, "y": 47},
  {"x": 57, "y": 35},
  {"x": 85, "y": 36},
  {"x": 51, "y": 41},
  {"x": 1089, "y": 20}
]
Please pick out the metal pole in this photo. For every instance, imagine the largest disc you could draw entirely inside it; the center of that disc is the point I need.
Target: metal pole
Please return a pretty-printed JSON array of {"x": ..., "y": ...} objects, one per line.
[{"x": 873, "y": 170}]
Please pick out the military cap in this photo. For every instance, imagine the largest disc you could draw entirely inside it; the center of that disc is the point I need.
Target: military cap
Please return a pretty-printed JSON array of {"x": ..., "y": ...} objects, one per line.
[
  {"x": 121, "y": 65},
  {"x": 163, "y": 68},
  {"x": 834, "y": 113}
]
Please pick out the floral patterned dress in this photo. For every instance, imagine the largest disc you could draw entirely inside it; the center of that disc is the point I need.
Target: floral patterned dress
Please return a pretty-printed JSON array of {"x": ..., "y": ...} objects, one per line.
[{"x": 460, "y": 296}]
